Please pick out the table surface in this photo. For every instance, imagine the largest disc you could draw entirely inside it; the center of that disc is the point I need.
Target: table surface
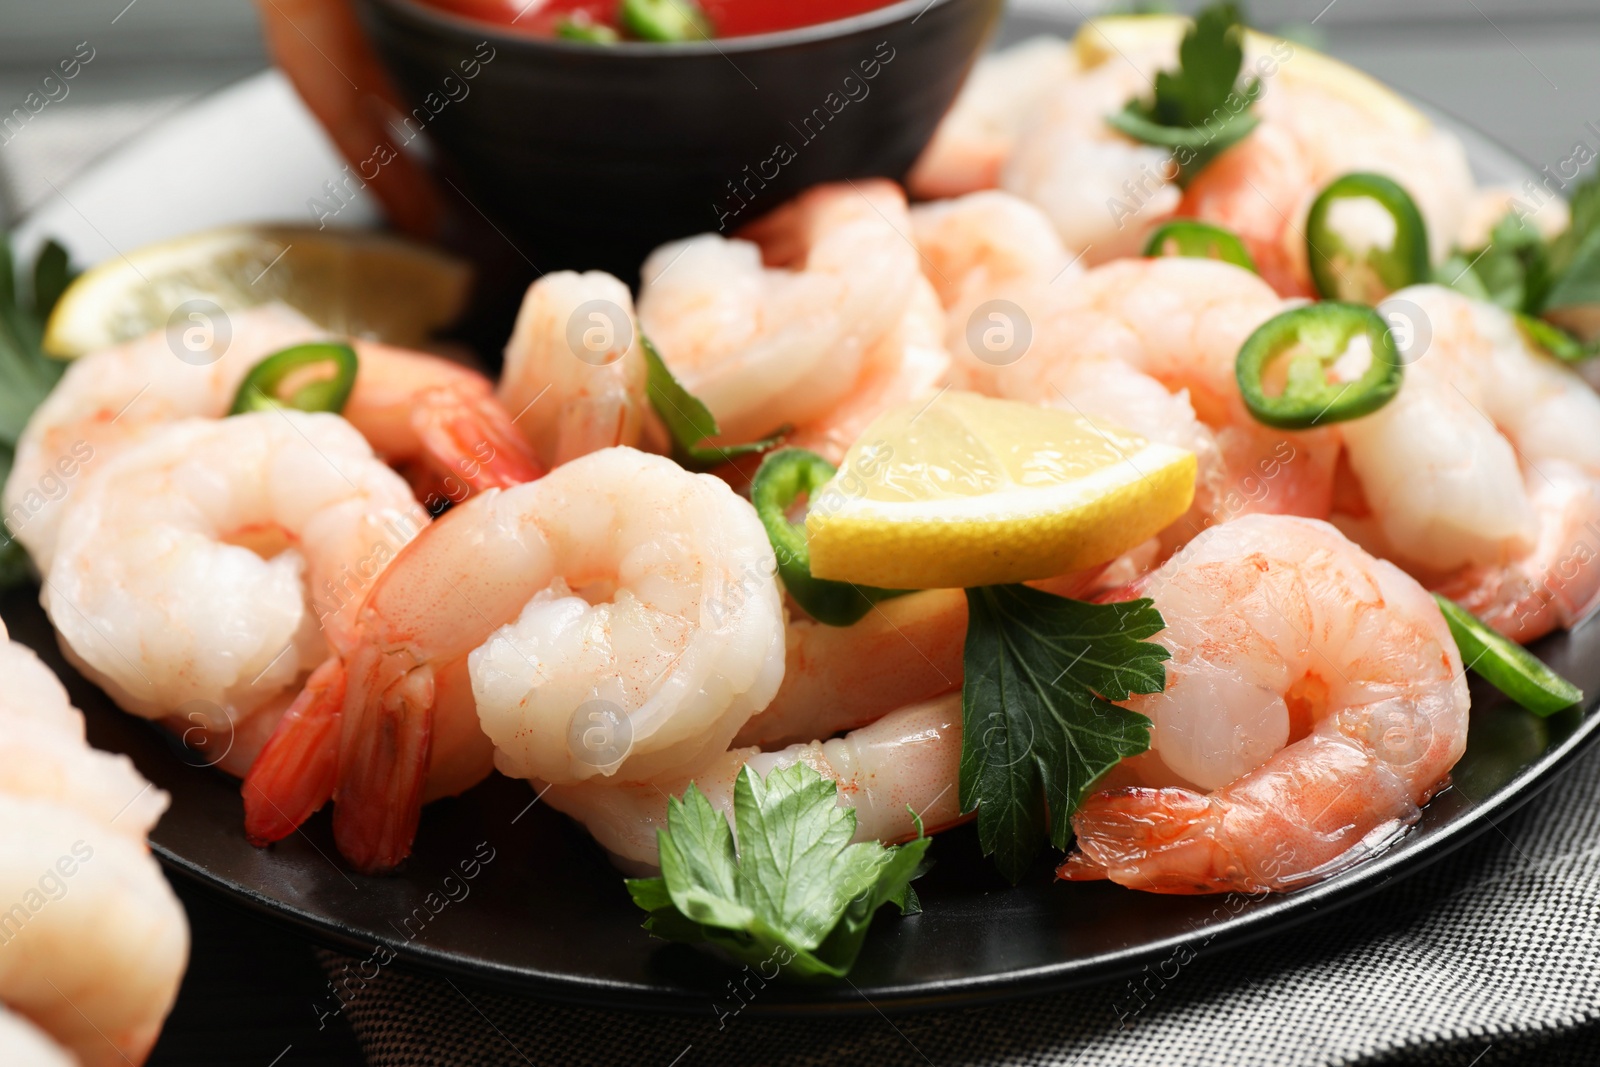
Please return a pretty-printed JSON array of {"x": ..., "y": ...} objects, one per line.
[{"x": 1521, "y": 71}]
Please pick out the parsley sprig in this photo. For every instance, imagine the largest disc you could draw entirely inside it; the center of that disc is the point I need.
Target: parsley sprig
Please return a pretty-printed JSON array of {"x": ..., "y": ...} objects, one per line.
[
  {"x": 1532, "y": 277},
  {"x": 1199, "y": 109},
  {"x": 26, "y": 374},
  {"x": 689, "y": 421},
  {"x": 1038, "y": 725},
  {"x": 792, "y": 892}
]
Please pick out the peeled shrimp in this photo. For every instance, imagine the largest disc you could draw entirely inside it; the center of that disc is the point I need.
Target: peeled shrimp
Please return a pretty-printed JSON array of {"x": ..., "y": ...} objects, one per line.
[
  {"x": 618, "y": 586},
  {"x": 983, "y": 247},
  {"x": 1150, "y": 345},
  {"x": 782, "y": 343},
  {"x": 97, "y": 959},
  {"x": 901, "y": 767},
  {"x": 1309, "y": 135},
  {"x": 1482, "y": 477},
  {"x": 576, "y": 336},
  {"x": 907, "y": 649},
  {"x": 907, "y": 362},
  {"x": 25, "y": 1044},
  {"x": 1104, "y": 191},
  {"x": 981, "y": 129},
  {"x": 205, "y": 569},
  {"x": 1031, "y": 120},
  {"x": 419, "y": 411},
  {"x": 1314, "y": 700},
  {"x": 93, "y": 943}
]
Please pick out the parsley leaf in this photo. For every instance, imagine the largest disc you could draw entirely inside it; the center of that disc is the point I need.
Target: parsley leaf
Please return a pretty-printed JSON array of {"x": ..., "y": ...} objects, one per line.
[
  {"x": 26, "y": 374},
  {"x": 1575, "y": 255},
  {"x": 1522, "y": 272},
  {"x": 793, "y": 893},
  {"x": 1038, "y": 725},
  {"x": 1198, "y": 110},
  {"x": 1512, "y": 270},
  {"x": 689, "y": 421}
]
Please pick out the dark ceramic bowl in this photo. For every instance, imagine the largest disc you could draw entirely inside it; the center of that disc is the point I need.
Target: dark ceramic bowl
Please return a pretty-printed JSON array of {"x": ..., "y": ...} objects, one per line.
[{"x": 587, "y": 156}]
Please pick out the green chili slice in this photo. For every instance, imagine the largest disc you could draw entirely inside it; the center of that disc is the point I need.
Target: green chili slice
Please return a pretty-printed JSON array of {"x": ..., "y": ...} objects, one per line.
[
  {"x": 587, "y": 30},
  {"x": 1553, "y": 339},
  {"x": 1314, "y": 340},
  {"x": 783, "y": 476},
  {"x": 1366, "y": 268},
  {"x": 1506, "y": 665},
  {"x": 262, "y": 388},
  {"x": 1198, "y": 240},
  {"x": 665, "y": 21}
]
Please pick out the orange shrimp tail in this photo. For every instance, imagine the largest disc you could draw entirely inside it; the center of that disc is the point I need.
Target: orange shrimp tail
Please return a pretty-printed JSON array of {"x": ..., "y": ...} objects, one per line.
[
  {"x": 471, "y": 441},
  {"x": 295, "y": 773},
  {"x": 383, "y": 762},
  {"x": 1158, "y": 840}
]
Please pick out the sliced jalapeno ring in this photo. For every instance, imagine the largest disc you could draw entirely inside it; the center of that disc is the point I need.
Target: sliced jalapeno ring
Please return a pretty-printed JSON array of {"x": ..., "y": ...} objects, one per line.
[
  {"x": 582, "y": 28},
  {"x": 1198, "y": 240},
  {"x": 262, "y": 388},
  {"x": 1365, "y": 238},
  {"x": 783, "y": 476},
  {"x": 1553, "y": 339},
  {"x": 1506, "y": 665},
  {"x": 1316, "y": 339},
  {"x": 665, "y": 21}
]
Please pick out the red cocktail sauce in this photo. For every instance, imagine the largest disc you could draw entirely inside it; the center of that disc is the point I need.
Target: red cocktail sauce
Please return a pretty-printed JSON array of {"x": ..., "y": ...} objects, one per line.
[{"x": 729, "y": 18}]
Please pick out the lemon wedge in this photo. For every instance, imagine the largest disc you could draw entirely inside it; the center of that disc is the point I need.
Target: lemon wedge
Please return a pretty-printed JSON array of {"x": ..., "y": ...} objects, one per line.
[
  {"x": 965, "y": 490},
  {"x": 1113, "y": 37},
  {"x": 361, "y": 284}
]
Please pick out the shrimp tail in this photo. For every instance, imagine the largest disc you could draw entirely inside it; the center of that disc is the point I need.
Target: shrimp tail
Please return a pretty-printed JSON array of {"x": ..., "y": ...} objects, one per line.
[
  {"x": 383, "y": 761},
  {"x": 1161, "y": 840},
  {"x": 295, "y": 773},
  {"x": 472, "y": 439}
]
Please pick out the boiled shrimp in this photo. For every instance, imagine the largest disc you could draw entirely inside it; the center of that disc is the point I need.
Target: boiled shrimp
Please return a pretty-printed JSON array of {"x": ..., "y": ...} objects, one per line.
[
  {"x": 908, "y": 650},
  {"x": 1482, "y": 477},
  {"x": 1312, "y": 131},
  {"x": 1150, "y": 345},
  {"x": 907, "y": 362},
  {"x": 1031, "y": 120},
  {"x": 773, "y": 328},
  {"x": 899, "y": 769},
  {"x": 436, "y": 418},
  {"x": 23, "y": 1043},
  {"x": 838, "y": 678},
  {"x": 1314, "y": 701},
  {"x": 619, "y": 592},
  {"x": 205, "y": 569},
  {"x": 94, "y": 943},
  {"x": 574, "y": 375},
  {"x": 979, "y": 132}
]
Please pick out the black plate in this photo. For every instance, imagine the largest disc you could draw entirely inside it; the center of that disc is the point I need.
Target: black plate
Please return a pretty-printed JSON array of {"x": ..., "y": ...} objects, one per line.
[{"x": 546, "y": 915}]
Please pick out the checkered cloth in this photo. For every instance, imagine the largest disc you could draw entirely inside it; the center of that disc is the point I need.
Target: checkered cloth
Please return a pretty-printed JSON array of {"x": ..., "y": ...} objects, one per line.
[{"x": 1490, "y": 956}]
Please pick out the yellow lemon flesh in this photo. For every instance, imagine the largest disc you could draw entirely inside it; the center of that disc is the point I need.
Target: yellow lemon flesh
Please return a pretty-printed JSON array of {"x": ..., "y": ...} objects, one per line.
[
  {"x": 965, "y": 490},
  {"x": 360, "y": 284}
]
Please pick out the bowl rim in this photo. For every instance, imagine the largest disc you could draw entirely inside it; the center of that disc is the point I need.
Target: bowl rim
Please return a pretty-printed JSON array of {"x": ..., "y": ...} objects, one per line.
[{"x": 418, "y": 11}]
